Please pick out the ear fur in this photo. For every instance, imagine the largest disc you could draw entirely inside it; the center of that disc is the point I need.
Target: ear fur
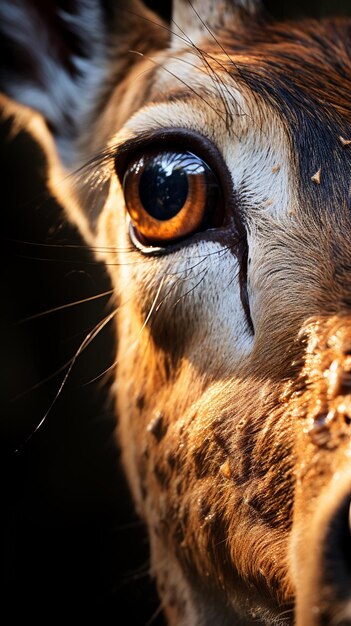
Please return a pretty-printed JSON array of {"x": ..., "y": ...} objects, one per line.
[
  {"x": 197, "y": 17},
  {"x": 63, "y": 59}
]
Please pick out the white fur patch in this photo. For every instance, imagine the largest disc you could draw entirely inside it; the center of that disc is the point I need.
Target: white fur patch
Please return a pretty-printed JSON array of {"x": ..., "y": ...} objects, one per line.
[{"x": 255, "y": 149}]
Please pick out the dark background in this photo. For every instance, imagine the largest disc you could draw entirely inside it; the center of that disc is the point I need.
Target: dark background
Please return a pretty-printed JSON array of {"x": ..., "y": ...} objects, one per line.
[{"x": 71, "y": 543}]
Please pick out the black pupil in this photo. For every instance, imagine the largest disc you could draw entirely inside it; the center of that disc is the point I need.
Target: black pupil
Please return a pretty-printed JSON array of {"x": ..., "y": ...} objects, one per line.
[{"x": 163, "y": 186}]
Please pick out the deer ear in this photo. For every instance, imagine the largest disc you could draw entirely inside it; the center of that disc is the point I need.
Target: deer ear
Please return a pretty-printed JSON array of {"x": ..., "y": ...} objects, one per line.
[
  {"x": 62, "y": 62},
  {"x": 196, "y": 18}
]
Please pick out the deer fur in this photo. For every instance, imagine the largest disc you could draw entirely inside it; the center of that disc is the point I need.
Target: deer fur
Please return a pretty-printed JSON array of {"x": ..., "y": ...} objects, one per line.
[{"x": 233, "y": 365}]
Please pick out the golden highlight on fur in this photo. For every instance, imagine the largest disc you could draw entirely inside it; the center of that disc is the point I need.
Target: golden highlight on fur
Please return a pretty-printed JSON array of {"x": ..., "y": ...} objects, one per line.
[{"x": 233, "y": 369}]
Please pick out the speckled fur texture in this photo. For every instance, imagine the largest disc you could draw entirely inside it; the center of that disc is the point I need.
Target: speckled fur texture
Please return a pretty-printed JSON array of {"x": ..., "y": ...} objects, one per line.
[{"x": 233, "y": 371}]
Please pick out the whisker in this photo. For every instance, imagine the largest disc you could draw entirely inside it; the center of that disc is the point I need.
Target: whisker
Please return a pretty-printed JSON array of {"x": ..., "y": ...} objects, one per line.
[
  {"x": 162, "y": 26},
  {"x": 155, "y": 309},
  {"x": 286, "y": 612},
  {"x": 64, "y": 306},
  {"x": 47, "y": 259},
  {"x": 137, "y": 573},
  {"x": 211, "y": 72},
  {"x": 43, "y": 244},
  {"x": 174, "y": 285},
  {"x": 218, "y": 43},
  {"x": 188, "y": 41},
  {"x": 22, "y": 394},
  {"x": 155, "y": 615},
  {"x": 196, "y": 93},
  {"x": 84, "y": 262},
  {"x": 67, "y": 364},
  {"x": 174, "y": 273},
  {"x": 205, "y": 271},
  {"x": 202, "y": 55},
  {"x": 135, "y": 343},
  {"x": 88, "y": 339},
  {"x": 231, "y": 62}
]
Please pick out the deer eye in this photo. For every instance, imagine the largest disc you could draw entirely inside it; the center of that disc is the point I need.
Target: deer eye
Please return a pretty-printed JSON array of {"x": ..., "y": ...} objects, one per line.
[{"x": 171, "y": 195}]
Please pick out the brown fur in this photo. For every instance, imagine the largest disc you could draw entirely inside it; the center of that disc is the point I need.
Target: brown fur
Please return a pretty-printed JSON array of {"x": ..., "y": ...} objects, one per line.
[{"x": 233, "y": 389}]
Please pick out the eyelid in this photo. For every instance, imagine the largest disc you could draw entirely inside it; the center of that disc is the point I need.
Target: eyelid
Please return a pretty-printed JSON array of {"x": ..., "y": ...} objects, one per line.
[{"x": 178, "y": 139}]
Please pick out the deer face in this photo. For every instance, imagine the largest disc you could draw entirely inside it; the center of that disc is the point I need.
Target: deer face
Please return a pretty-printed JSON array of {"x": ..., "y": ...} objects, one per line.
[{"x": 223, "y": 159}]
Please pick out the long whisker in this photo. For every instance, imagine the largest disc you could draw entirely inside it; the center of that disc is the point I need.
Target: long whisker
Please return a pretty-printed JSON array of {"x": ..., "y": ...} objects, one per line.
[
  {"x": 218, "y": 43},
  {"x": 64, "y": 306},
  {"x": 230, "y": 59},
  {"x": 68, "y": 363},
  {"x": 172, "y": 288},
  {"x": 200, "y": 53},
  {"x": 43, "y": 244},
  {"x": 135, "y": 343},
  {"x": 87, "y": 340},
  {"x": 42, "y": 381},
  {"x": 204, "y": 271},
  {"x": 156, "y": 613},
  {"x": 196, "y": 93},
  {"x": 80, "y": 262},
  {"x": 219, "y": 85},
  {"x": 157, "y": 308}
]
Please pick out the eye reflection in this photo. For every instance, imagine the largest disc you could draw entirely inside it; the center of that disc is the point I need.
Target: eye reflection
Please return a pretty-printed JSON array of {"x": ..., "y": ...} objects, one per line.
[
  {"x": 163, "y": 186},
  {"x": 170, "y": 195}
]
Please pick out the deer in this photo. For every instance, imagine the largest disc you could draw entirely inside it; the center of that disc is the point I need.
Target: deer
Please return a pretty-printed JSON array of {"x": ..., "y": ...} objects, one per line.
[{"x": 207, "y": 162}]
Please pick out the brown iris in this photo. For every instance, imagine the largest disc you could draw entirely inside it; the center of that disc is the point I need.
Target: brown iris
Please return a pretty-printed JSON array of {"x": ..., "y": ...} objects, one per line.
[{"x": 170, "y": 195}]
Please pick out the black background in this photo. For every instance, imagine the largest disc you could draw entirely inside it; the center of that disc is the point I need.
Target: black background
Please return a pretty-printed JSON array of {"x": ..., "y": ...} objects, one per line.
[{"x": 71, "y": 543}]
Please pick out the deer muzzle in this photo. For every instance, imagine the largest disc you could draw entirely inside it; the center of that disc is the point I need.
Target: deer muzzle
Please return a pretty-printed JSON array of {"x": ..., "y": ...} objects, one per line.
[{"x": 321, "y": 537}]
